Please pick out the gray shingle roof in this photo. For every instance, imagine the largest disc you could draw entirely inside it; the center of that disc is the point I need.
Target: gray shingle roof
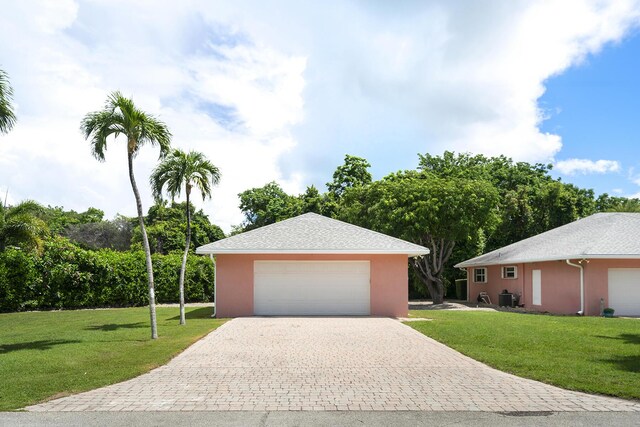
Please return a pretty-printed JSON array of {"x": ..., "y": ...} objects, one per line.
[
  {"x": 603, "y": 235},
  {"x": 312, "y": 233}
]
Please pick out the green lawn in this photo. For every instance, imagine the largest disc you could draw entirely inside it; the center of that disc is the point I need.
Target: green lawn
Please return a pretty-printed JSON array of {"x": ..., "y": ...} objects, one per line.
[
  {"x": 590, "y": 354},
  {"x": 46, "y": 354}
]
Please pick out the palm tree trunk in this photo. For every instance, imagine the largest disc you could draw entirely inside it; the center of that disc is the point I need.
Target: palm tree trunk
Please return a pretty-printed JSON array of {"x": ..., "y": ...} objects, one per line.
[
  {"x": 184, "y": 258},
  {"x": 147, "y": 250}
]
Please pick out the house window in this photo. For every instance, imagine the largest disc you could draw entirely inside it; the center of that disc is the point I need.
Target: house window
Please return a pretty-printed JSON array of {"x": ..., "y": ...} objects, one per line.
[
  {"x": 510, "y": 272},
  {"x": 480, "y": 275}
]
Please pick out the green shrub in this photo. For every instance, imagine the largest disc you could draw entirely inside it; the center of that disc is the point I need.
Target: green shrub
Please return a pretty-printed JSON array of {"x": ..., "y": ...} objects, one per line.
[
  {"x": 20, "y": 283},
  {"x": 66, "y": 276}
]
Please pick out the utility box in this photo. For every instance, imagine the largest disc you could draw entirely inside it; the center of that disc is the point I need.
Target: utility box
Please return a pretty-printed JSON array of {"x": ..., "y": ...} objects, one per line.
[{"x": 505, "y": 300}]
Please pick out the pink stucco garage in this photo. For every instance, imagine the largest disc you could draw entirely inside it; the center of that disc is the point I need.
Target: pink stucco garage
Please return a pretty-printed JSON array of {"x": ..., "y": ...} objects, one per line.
[{"x": 311, "y": 265}]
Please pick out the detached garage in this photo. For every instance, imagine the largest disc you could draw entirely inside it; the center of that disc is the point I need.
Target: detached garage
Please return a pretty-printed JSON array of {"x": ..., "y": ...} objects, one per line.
[{"x": 311, "y": 265}]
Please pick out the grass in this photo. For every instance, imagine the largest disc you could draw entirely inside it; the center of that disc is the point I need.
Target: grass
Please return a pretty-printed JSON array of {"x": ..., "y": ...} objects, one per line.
[
  {"x": 52, "y": 354},
  {"x": 589, "y": 354}
]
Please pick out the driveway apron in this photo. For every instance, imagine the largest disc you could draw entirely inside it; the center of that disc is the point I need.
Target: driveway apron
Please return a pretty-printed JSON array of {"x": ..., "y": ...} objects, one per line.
[{"x": 329, "y": 363}]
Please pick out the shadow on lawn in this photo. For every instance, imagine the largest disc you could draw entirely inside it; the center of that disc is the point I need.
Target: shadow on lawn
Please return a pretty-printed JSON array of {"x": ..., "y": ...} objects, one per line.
[
  {"x": 34, "y": 345},
  {"x": 625, "y": 363},
  {"x": 198, "y": 313},
  {"x": 116, "y": 326},
  {"x": 627, "y": 338}
]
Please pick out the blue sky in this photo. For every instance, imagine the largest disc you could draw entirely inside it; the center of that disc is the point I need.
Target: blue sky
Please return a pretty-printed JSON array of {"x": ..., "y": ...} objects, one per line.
[
  {"x": 282, "y": 90},
  {"x": 595, "y": 106}
]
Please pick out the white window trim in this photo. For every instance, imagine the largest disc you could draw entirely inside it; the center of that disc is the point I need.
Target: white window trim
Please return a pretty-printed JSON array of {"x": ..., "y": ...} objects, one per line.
[
  {"x": 474, "y": 274},
  {"x": 515, "y": 272}
]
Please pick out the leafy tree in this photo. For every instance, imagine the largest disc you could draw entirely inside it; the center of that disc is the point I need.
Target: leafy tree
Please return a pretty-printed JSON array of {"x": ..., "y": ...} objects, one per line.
[
  {"x": 115, "y": 234},
  {"x": 428, "y": 210},
  {"x": 266, "y": 205},
  {"x": 312, "y": 200},
  {"x": 167, "y": 232},
  {"x": 531, "y": 201},
  {"x": 22, "y": 226},
  {"x": 7, "y": 115},
  {"x": 606, "y": 203},
  {"x": 353, "y": 173},
  {"x": 190, "y": 170},
  {"x": 120, "y": 116},
  {"x": 59, "y": 219}
]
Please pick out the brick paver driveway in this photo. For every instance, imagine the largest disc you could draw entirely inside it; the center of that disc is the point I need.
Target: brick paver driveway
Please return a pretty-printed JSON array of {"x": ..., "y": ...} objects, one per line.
[{"x": 327, "y": 364}]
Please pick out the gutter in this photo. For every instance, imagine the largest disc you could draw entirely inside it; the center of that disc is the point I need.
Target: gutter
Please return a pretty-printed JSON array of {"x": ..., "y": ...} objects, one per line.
[
  {"x": 579, "y": 265},
  {"x": 215, "y": 285}
]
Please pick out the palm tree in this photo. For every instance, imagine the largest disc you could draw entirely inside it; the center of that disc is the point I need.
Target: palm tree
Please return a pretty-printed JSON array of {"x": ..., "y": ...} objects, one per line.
[
  {"x": 121, "y": 117},
  {"x": 190, "y": 170},
  {"x": 7, "y": 116},
  {"x": 21, "y": 226}
]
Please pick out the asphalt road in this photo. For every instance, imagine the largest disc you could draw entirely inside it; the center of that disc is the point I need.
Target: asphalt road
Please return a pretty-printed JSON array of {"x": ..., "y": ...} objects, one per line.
[{"x": 320, "y": 418}]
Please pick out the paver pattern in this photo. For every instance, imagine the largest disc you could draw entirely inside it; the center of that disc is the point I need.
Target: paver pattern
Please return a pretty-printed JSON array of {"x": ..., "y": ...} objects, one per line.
[{"x": 327, "y": 364}]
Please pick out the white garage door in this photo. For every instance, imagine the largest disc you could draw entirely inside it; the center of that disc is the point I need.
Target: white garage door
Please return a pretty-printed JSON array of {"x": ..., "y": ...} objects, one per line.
[
  {"x": 624, "y": 291},
  {"x": 311, "y": 288}
]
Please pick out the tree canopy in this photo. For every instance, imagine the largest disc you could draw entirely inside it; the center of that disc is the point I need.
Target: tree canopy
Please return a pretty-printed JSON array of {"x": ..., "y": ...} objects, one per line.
[
  {"x": 353, "y": 173},
  {"x": 165, "y": 224},
  {"x": 423, "y": 208},
  {"x": 22, "y": 226}
]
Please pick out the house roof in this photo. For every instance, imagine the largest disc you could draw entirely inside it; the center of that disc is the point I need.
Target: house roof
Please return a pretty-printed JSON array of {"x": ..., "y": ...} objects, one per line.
[
  {"x": 603, "y": 235},
  {"x": 312, "y": 233}
]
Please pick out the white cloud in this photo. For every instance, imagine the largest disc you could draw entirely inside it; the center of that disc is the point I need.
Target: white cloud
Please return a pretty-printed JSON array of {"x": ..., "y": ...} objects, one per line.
[
  {"x": 282, "y": 90},
  {"x": 586, "y": 166}
]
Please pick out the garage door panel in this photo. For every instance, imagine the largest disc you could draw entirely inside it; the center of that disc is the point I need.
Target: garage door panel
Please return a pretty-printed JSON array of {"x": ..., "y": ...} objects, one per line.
[
  {"x": 624, "y": 291},
  {"x": 311, "y": 287}
]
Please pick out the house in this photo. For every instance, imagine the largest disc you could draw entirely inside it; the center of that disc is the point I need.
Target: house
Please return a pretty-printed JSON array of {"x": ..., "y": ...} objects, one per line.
[
  {"x": 570, "y": 269},
  {"x": 311, "y": 265}
]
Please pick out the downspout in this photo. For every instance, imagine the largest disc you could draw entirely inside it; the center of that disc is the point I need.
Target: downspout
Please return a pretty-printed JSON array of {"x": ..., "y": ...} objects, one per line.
[
  {"x": 581, "y": 312},
  {"x": 215, "y": 285}
]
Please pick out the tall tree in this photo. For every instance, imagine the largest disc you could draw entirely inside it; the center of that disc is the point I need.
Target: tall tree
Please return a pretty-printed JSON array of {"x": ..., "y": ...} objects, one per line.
[
  {"x": 188, "y": 170},
  {"x": 420, "y": 207},
  {"x": 531, "y": 201},
  {"x": 165, "y": 223},
  {"x": 606, "y": 203},
  {"x": 268, "y": 204},
  {"x": 120, "y": 116},
  {"x": 7, "y": 115},
  {"x": 22, "y": 226},
  {"x": 353, "y": 173}
]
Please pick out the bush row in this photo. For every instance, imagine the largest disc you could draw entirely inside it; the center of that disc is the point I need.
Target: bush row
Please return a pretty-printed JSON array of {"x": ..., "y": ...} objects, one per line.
[{"x": 65, "y": 276}]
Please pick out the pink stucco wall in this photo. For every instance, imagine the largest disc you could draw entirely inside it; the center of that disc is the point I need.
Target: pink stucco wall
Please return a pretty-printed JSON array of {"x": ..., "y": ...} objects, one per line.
[
  {"x": 560, "y": 284},
  {"x": 495, "y": 283},
  {"x": 234, "y": 281},
  {"x": 596, "y": 282}
]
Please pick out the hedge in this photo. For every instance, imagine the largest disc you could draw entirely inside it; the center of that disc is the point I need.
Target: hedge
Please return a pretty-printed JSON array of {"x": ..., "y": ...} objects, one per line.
[{"x": 65, "y": 276}]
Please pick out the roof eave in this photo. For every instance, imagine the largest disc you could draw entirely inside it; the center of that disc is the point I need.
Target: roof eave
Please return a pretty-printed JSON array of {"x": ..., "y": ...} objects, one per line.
[
  {"x": 409, "y": 253},
  {"x": 466, "y": 264}
]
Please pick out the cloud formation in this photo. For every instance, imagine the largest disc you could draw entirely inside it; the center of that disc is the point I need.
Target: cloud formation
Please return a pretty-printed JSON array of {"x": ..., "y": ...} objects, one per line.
[
  {"x": 585, "y": 166},
  {"x": 282, "y": 90}
]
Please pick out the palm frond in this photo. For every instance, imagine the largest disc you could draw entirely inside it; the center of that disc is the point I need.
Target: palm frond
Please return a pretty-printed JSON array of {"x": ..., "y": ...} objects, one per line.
[
  {"x": 27, "y": 207},
  {"x": 7, "y": 115},
  {"x": 180, "y": 169},
  {"x": 121, "y": 117}
]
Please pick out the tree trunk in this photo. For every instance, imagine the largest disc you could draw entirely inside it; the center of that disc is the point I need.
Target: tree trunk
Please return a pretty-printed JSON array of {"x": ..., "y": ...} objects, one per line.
[
  {"x": 147, "y": 250},
  {"x": 436, "y": 289},
  {"x": 184, "y": 258},
  {"x": 429, "y": 268}
]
